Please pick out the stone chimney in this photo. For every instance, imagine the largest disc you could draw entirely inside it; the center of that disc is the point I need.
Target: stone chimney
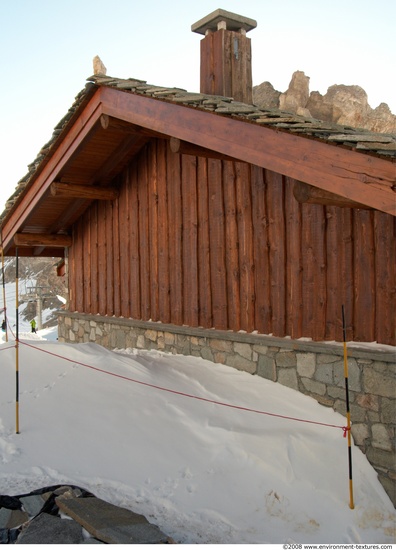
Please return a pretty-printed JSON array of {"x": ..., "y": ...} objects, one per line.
[{"x": 226, "y": 56}]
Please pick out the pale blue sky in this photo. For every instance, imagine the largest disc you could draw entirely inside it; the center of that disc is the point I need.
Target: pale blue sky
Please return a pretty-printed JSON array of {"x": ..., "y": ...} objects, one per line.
[{"x": 47, "y": 47}]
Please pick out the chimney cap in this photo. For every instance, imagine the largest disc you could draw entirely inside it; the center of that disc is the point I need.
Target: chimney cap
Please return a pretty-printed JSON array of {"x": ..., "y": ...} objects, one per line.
[{"x": 233, "y": 22}]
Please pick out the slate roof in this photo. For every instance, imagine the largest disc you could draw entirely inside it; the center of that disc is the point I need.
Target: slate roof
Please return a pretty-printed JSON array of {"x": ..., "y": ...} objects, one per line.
[{"x": 383, "y": 145}]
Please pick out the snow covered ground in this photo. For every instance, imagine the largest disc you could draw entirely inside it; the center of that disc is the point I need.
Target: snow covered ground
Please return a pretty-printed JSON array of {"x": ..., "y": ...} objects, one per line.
[{"x": 156, "y": 433}]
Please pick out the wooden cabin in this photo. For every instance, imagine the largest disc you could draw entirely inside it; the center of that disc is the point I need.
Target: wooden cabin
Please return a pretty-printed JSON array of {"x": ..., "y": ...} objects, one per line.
[{"x": 199, "y": 223}]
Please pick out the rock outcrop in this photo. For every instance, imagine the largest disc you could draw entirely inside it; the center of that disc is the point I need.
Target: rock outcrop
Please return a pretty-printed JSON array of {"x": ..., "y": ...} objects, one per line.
[
  {"x": 265, "y": 94},
  {"x": 295, "y": 99},
  {"x": 344, "y": 105},
  {"x": 67, "y": 514}
]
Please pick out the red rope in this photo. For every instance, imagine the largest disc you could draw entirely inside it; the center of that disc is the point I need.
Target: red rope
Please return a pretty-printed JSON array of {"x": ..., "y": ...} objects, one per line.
[
  {"x": 246, "y": 409},
  {"x": 8, "y": 347},
  {"x": 345, "y": 430}
]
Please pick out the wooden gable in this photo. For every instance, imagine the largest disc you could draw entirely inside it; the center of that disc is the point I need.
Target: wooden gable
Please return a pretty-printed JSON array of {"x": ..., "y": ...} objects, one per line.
[
  {"x": 181, "y": 208},
  {"x": 112, "y": 123}
]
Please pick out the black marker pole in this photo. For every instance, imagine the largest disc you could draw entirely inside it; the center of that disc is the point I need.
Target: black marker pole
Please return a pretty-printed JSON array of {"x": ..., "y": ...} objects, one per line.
[
  {"x": 17, "y": 340},
  {"x": 4, "y": 292},
  {"x": 348, "y": 413}
]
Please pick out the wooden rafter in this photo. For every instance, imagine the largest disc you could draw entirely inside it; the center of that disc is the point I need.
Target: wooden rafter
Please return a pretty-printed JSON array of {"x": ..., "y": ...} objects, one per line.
[
  {"x": 71, "y": 190},
  {"x": 42, "y": 240},
  {"x": 305, "y": 193}
]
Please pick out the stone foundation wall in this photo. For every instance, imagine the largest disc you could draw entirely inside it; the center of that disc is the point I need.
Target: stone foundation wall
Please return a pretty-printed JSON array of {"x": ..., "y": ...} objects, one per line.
[{"x": 311, "y": 368}]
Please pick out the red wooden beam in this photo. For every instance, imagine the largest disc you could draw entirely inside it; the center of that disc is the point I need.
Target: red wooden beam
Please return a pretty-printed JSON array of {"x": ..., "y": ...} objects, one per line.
[{"x": 356, "y": 176}]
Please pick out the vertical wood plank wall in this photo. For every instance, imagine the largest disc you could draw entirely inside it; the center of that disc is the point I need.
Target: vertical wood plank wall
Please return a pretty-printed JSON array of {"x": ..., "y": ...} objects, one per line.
[{"x": 212, "y": 243}]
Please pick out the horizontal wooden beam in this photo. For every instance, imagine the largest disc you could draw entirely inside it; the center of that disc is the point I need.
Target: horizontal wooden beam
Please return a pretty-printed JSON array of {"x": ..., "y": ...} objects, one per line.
[
  {"x": 42, "y": 240},
  {"x": 70, "y": 190},
  {"x": 186, "y": 148},
  {"x": 305, "y": 193},
  {"x": 32, "y": 252}
]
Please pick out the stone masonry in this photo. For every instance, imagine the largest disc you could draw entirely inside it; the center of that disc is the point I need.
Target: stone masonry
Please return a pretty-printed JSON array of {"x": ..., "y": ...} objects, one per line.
[{"x": 315, "y": 369}]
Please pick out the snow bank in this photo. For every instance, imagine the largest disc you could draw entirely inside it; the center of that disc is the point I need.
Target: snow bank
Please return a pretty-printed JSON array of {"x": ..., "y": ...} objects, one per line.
[{"x": 202, "y": 471}]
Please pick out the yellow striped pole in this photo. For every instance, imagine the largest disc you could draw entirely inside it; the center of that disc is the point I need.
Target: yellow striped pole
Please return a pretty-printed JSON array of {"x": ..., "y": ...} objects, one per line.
[
  {"x": 17, "y": 341},
  {"x": 348, "y": 413},
  {"x": 4, "y": 293}
]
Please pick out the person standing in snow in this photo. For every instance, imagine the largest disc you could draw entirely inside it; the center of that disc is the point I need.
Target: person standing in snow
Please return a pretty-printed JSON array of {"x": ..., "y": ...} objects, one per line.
[
  {"x": 33, "y": 325},
  {"x": 3, "y": 325}
]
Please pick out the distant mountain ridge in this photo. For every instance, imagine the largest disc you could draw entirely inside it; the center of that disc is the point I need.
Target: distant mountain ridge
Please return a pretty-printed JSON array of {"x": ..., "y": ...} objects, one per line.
[{"x": 344, "y": 105}]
